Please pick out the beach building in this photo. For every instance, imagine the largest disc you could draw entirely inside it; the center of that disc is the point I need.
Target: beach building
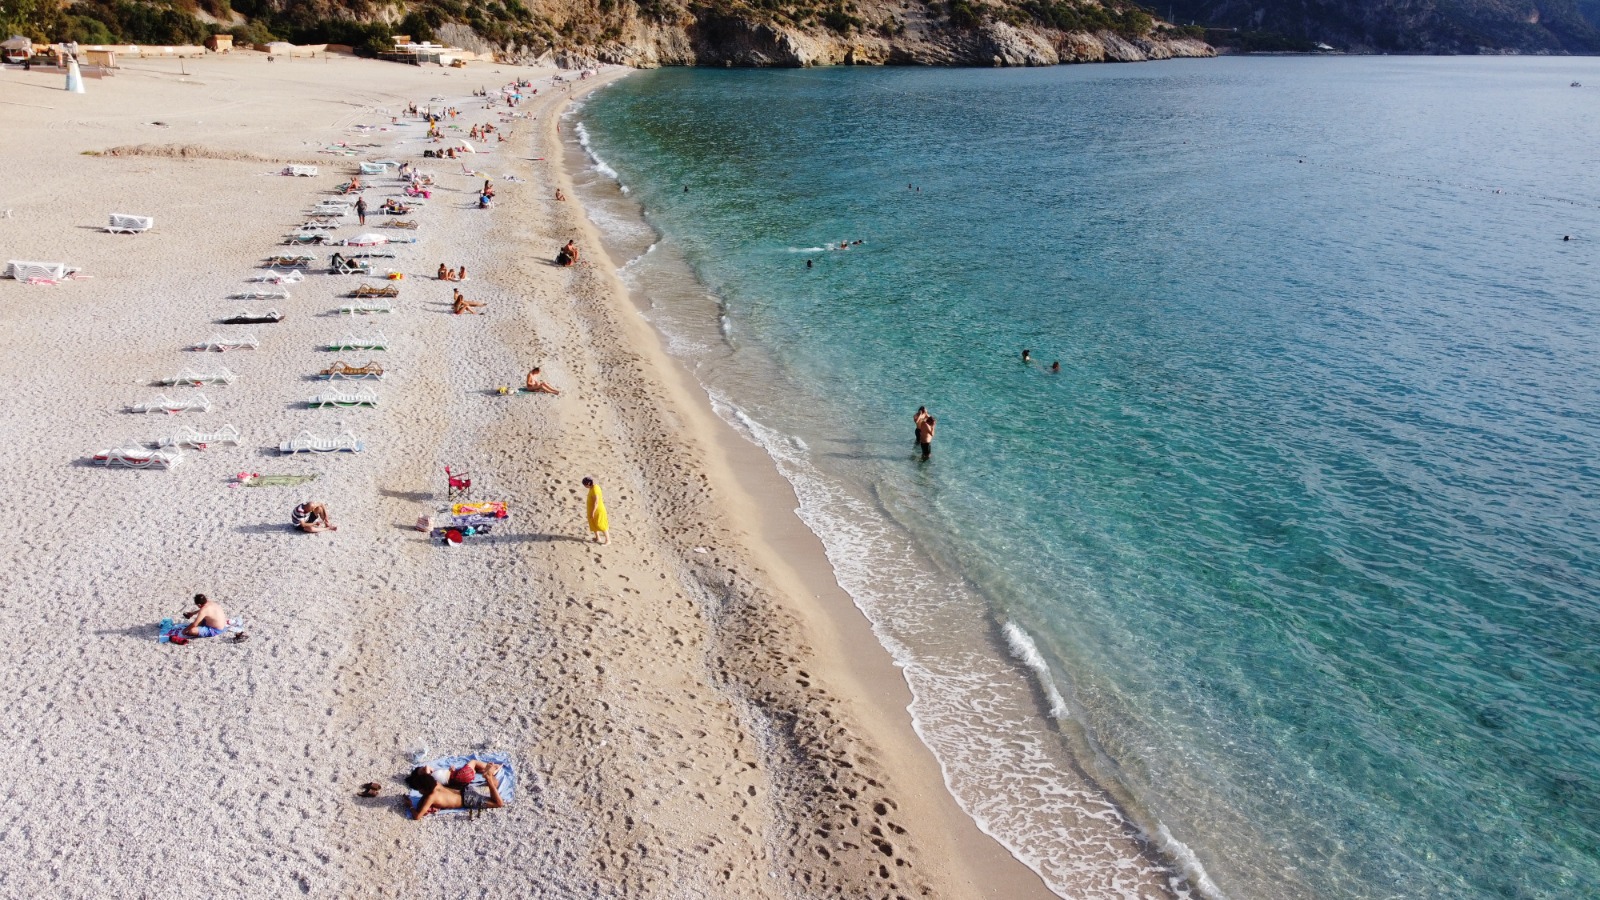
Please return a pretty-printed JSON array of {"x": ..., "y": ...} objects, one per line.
[
  {"x": 426, "y": 52},
  {"x": 219, "y": 43}
]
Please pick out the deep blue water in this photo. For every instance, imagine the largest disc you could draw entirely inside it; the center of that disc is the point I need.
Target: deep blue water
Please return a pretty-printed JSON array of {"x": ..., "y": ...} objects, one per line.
[{"x": 1307, "y": 529}]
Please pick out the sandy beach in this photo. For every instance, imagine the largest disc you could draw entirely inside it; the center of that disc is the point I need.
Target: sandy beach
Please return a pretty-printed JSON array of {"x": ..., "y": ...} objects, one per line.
[{"x": 694, "y": 709}]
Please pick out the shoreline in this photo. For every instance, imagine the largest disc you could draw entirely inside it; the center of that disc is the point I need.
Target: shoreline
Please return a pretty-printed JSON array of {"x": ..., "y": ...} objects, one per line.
[{"x": 792, "y": 555}]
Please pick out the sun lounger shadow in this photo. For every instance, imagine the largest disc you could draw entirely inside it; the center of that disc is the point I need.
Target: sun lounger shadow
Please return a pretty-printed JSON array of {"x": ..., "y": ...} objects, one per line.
[
  {"x": 137, "y": 632},
  {"x": 409, "y": 496},
  {"x": 498, "y": 538}
]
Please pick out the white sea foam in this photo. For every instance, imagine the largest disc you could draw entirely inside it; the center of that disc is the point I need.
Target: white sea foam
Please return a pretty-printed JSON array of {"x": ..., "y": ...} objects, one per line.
[
  {"x": 599, "y": 164},
  {"x": 805, "y": 249},
  {"x": 1027, "y": 652}
]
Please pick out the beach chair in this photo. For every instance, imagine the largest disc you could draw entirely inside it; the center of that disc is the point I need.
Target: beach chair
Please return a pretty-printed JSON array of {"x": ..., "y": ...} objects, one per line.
[
  {"x": 368, "y": 290},
  {"x": 123, "y": 223},
  {"x": 135, "y": 456},
  {"x": 301, "y": 171},
  {"x": 39, "y": 272},
  {"x": 367, "y": 307},
  {"x": 200, "y": 440},
  {"x": 345, "y": 370},
  {"x": 305, "y": 239},
  {"x": 343, "y": 399},
  {"x": 318, "y": 224},
  {"x": 163, "y": 403},
  {"x": 297, "y": 261},
  {"x": 333, "y": 208},
  {"x": 351, "y": 342},
  {"x": 261, "y": 294},
  {"x": 269, "y": 317},
  {"x": 347, "y": 265},
  {"x": 375, "y": 168},
  {"x": 306, "y": 442},
  {"x": 195, "y": 378},
  {"x": 459, "y": 487},
  {"x": 274, "y": 276},
  {"x": 220, "y": 344},
  {"x": 399, "y": 223}
]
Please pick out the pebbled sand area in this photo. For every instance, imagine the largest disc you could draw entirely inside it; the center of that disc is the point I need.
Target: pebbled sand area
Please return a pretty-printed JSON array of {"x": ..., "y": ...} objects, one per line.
[{"x": 694, "y": 710}]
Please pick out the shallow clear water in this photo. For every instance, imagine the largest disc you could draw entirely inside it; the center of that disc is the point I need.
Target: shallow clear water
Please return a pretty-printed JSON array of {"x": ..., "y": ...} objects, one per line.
[{"x": 1298, "y": 557}]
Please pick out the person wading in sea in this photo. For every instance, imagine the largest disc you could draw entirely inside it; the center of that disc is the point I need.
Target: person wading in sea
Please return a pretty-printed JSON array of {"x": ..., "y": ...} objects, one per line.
[{"x": 925, "y": 436}]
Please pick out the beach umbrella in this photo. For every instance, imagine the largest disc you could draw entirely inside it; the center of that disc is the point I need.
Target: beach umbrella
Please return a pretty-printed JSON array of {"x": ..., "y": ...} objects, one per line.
[
  {"x": 467, "y": 147},
  {"x": 366, "y": 240}
]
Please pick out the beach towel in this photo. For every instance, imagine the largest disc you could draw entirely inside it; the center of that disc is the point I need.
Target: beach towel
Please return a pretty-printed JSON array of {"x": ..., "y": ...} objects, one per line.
[
  {"x": 170, "y": 626},
  {"x": 276, "y": 480},
  {"x": 445, "y": 764}
]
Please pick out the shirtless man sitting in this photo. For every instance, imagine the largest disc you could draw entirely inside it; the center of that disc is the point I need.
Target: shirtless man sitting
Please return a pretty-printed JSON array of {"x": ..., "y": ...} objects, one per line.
[
  {"x": 209, "y": 619},
  {"x": 537, "y": 384},
  {"x": 463, "y": 305},
  {"x": 454, "y": 793}
]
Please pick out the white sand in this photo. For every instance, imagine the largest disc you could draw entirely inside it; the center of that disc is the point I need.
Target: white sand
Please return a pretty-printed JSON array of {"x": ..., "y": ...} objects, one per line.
[{"x": 685, "y": 724}]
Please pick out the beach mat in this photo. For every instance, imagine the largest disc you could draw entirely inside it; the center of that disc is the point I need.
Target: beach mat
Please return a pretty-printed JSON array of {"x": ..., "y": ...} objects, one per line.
[
  {"x": 277, "y": 480},
  {"x": 168, "y": 626},
  {"x": 508, "y": 777}
]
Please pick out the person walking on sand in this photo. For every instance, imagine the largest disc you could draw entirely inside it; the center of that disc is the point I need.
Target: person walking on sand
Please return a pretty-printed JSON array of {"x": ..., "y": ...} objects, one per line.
[
  {"x": 925, "y": 430},
  {"x": 595, "y": 506},
  {"x": 361, "y": 209}
]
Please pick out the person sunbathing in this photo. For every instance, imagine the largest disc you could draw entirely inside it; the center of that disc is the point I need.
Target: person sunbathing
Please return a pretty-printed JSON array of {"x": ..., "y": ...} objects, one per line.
[
  {"x": 311, "y": 518},
  {"x": 353, "y": 186},
  {"x": 559, "y": 195},
  {"x": 455, "y": 792},
  {"x": 208, "y": 619},
  {"x": 464, "y": 306},
  {"x": 444, "y": 272},
  {"x": 461, "y": 274},
  {"x": 537, "y": 384},
  {"x": 569, "y": 254}
]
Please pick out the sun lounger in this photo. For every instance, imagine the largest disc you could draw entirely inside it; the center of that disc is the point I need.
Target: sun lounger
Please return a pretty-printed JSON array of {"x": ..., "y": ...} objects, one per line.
[
  {"x": 261, "y": 294},
  {"x": 221, "y": 344},
  {"x": 373, "y": 254},
  {"x": 351, "y": 342},
  {"x": 367, "y": 307},
  {"x": 123, "y": 223},
  {"x": 137, "y": 457},
  {"x": 274, "y": 276},
  {"x": 269, "y": 317},
  {"x": 22, "y": 270},
  {"x": 305, "y": 239},
  {"x": 375, "y": 168},
  {"x": 398, "y": 223},
  {"x": 163, "y": 403},
  {"x": 301, "y": 171},
  {"x": 195, "y": 378},
  {"x": 367, "y": 290},
  {"x": 333, "y": 208},
  {"x": 345, "y": 370},
  {"x": 347, "y": 266},
  {"x": 343, "y": 399},
  {"x": 306, "y": 442},
  {"x": 296, "y": 261},
  {"x": 200, "y": 440}
]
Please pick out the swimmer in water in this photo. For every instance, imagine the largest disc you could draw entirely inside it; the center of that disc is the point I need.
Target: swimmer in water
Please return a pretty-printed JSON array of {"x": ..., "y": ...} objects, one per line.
[
  {"x": 1055, "y": 367},
  {"x": 1027, "y": 356}
]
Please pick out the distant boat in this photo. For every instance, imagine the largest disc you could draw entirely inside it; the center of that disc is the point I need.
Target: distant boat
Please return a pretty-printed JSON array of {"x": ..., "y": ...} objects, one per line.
[{"x": 1576, "y": 84}]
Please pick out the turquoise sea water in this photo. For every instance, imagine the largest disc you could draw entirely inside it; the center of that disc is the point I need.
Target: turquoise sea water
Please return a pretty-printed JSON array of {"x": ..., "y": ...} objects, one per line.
[{"x": 1293, "y": 572}]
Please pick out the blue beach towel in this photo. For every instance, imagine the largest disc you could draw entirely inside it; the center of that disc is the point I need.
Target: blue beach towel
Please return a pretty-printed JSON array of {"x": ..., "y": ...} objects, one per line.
[
  {"x": 170, "y": 626},
  {"x": 507, "y": 777}
]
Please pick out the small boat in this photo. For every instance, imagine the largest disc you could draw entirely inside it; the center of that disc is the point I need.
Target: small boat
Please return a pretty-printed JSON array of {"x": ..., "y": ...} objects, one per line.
[{"x": 1577, "y": 84}]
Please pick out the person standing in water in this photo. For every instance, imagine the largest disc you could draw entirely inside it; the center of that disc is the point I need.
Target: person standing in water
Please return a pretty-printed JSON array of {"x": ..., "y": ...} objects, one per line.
[
  {"x": 1027, "y": 356},
  {"x": 925, "y": 430},
  {"x": 916, "y": 424},
  {"x": 595, "y": 508}
]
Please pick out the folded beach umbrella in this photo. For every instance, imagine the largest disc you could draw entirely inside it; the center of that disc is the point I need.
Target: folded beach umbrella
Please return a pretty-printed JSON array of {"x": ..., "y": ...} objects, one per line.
[{"x": 366, "y": 240}]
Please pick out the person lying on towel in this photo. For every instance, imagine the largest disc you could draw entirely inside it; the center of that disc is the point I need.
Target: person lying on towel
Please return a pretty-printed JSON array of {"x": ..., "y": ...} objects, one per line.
[{"x": 455, "y": 793}]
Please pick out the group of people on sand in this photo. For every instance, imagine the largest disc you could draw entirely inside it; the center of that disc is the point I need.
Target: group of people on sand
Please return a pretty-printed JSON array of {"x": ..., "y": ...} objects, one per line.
[{"x": 448, "y": 274}]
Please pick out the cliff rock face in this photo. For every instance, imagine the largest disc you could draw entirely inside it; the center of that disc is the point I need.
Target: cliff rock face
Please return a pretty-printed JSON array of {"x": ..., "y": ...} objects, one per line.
[{"x": 1412, "y": 26}]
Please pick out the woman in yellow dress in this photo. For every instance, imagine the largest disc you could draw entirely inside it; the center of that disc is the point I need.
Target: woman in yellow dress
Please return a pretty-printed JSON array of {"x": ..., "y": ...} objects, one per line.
[{"x": 599, "y": 526}]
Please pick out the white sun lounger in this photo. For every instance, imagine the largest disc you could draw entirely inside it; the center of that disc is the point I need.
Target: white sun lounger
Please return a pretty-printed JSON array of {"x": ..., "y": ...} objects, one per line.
[
  {"x": 343, "y": 399},
  {"x": 274, "y": 276},
  {"x": 137, "y": 457},
  {"x": 22, "y": 270},
  {"x": 196, "y": 378},
  {"x": 345, "y": 370},
  {"x": 301, "y": 171},
  {"x": 333, "y": 208},
  {"x": 351, "y": 342},
  {"x": 191, "y": 437},
  {"x": 261, "y": 294},
  {"x": 123, "y": 223},
  {"x": 367, "y": 307},
  {"x": 163, "y": 403},
  {"x": 306, "y": 442},
  {"x": 223, "y": 344},
  {"x": 375, "y": 168}
]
